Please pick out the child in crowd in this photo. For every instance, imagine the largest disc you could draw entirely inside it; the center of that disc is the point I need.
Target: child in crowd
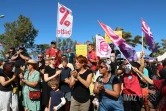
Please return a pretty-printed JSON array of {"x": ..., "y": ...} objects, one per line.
[
  {"x": 56, "y": 97},
  {"x": 64, "y": 82}
]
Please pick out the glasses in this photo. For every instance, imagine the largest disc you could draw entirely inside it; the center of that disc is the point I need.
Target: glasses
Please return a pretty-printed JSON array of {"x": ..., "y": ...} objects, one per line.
[
  {"x": 53, "y": 59},
  {"x": 40, "y": 57},
  {"x": 101, "y": 67}
]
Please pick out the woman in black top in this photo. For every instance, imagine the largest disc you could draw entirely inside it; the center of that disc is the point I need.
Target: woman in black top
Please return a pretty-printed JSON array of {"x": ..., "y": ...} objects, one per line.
[
  {"x": 6, "y": 86},
  {"x": 50, "y": 73},
  {"x": 80, "y": 82}
]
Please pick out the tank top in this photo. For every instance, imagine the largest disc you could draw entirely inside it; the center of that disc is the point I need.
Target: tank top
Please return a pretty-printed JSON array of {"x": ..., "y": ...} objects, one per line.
[{"x": 7, "y": 87}]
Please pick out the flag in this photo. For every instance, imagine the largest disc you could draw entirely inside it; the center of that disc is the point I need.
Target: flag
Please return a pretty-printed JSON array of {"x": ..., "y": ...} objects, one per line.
[
  {"x": 1, "y": 44},
  {"x": 102, "y": 47},
  {"x": 148, "y": 36},
  {"x": 64, "y": 22},
  {"x": 126, "y": 50}
]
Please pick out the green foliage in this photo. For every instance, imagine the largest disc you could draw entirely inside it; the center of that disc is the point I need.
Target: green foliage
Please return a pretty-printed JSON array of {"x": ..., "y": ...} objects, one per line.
[
  {"x": 64, "y": 43},
  {"x": 18, "y": 32}
]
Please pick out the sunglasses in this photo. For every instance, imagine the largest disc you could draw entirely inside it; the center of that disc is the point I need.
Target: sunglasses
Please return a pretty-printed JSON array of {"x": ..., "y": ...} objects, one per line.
[
  {"x": 101, "y": 67},
  {"x": 40, "y": 57},
  {"x": 53, "y": 59}
]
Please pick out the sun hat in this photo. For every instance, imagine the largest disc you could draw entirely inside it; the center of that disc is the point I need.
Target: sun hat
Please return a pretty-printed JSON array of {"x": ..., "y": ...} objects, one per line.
[{"x": 31, "y": 61}]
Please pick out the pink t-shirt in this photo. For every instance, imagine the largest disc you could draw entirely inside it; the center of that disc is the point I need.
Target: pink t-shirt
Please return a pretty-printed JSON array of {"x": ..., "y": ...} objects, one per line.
[{"x": 131, "y": 85}]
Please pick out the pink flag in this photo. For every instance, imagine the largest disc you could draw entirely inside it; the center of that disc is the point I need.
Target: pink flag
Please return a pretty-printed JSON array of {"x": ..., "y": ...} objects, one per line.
[
  {"x": 148, "y": 36},
  {"x": 127, "y": 50},
  {"x": 102, "y": 47}
]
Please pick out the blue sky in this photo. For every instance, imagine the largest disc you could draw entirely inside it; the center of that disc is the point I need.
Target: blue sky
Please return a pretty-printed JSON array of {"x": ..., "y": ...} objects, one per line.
[{"x": 124, "y": 13}]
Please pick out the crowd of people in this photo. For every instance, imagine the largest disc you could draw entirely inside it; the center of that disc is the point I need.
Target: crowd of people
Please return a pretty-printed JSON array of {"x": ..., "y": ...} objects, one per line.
[{"x": 66, "y": 82}]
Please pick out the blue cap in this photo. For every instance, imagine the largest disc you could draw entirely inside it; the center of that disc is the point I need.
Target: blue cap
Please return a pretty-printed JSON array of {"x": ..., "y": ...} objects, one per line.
[{"x": 67, "y": 48}]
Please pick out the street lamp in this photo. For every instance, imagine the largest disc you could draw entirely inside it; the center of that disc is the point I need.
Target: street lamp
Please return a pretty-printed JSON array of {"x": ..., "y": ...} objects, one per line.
[{"x": 2, "y": 16}]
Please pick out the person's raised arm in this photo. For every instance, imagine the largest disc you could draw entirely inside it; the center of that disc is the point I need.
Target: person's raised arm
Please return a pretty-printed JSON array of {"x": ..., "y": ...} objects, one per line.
[{"x": 147, "y": 79}]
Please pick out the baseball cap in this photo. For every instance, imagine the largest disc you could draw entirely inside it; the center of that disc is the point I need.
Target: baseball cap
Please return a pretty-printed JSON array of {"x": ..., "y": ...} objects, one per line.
[
  {"x": 68, "y": 48},
  {"x": 53, "y": 42},
  {"x": 21, "y": 47}
]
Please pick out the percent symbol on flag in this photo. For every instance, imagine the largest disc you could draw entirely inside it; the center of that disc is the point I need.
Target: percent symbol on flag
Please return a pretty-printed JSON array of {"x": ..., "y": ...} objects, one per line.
[{"x": 63, "y": 20}]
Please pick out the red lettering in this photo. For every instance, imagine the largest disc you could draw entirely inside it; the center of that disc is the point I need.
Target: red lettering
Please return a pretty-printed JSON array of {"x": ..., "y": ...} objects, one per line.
[{"x": 62, "y": 31}]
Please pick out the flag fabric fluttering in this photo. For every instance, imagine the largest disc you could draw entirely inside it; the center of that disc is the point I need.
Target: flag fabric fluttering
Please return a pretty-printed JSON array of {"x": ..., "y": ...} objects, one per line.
[
  {"x": 126, "y": 50},
  {"x": 102, "y": 47},
  {"x": 64, "y": 22},
  {"x": 148, "y": 36}
]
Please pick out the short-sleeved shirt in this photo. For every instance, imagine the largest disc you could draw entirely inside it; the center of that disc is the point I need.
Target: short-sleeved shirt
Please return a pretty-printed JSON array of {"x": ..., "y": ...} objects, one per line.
[
  {"x": 55, "y": 98},
  {"x": 131, "y": 85},
  {"x": 80, "y": 93},
  {"x": 64, "y": 74},
  {"x": 92, "y": 55},
  {"x": 54, "y": 52}
]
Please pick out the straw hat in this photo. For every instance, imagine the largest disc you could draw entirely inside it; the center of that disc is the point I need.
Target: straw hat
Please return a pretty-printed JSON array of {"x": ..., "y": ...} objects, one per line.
[{"x": 31, "y": 61}]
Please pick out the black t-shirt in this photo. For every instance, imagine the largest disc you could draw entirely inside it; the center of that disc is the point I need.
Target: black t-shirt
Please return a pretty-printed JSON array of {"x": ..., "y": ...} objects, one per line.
[
  {"x": 9, "y": 86},
  {"x": 50, "y": 71},
  {"x": 19, "y": 61},
  {"x": 80, "y": 92},
  {"x": 64, "y": 74}
]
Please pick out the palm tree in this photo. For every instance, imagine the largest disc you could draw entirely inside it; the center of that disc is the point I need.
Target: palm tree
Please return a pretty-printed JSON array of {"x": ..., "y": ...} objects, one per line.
[
  {"x": 136, "y": 41},
  {"x": 126, "y": 35}
]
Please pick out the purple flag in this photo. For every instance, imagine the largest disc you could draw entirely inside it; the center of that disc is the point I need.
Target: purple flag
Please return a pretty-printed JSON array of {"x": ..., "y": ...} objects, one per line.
[
  {"x": 148, "y": 36},
  {"x": 126, "y": 50}
]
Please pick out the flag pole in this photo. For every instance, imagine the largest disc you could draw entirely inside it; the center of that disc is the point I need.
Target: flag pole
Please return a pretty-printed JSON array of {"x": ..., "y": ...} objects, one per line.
[{"x": 142, "y": 41}]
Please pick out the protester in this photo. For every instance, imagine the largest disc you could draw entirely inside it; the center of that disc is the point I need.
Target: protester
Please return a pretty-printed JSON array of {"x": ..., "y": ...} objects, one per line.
[
  {"x": 56, "y": 97},
  {"x": 6, "y": 87},
  {"x": 158, "y": 83},
  {"x": 131, "y": 88},
  {"x": 11, "y": 52},
  {"x": 50, "y": 73},
  {"x": 68, "y": 64},
  {"x": 20, "y": 57},
  {"x": 92, "y": 58},
  {"x": 80, "y": 82},
  {"x": 70, "y": 56},
  {"x": 108, "y": 88},
  {"x": 30, "y": 82},
  {"x": 53, "y": 51},
  {"x": 160, "y": 66},
  {"x": 64, "y": 82}
]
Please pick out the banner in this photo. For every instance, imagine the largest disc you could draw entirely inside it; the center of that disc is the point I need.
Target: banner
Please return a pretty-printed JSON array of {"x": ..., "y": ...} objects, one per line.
[
  {"x": 125, "y": 49},
  {"x": 81, "y": 50},
  {"x": 102, "y": 47},
  {"x": 108, "y": 40},
  {"x": 64, "y": 22},
  {"x": 148, "y": 36}
]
